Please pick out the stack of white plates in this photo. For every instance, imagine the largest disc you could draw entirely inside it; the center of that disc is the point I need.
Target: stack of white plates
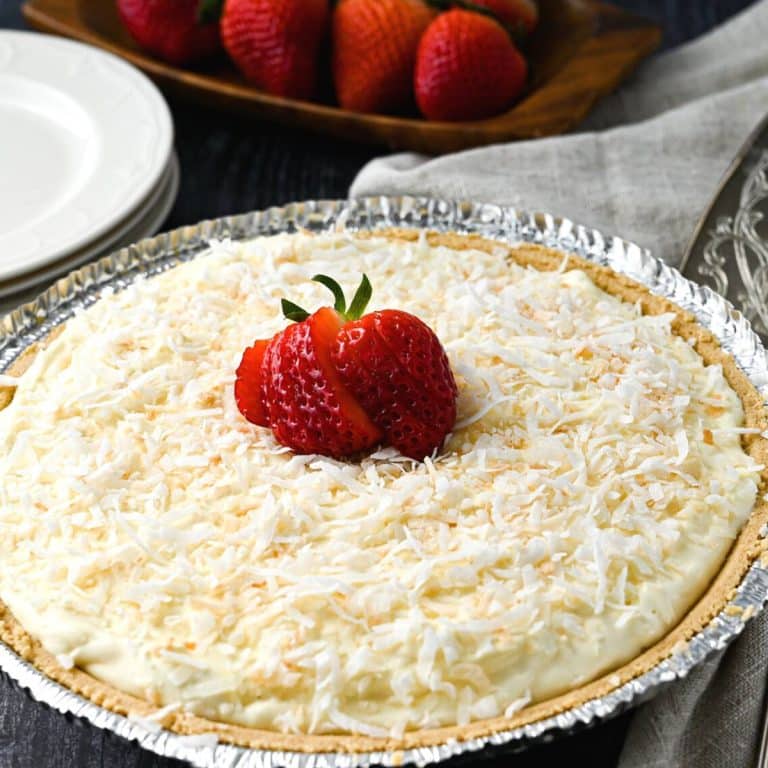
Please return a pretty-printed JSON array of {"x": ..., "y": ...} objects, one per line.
[{"x": 86, "y": 158}]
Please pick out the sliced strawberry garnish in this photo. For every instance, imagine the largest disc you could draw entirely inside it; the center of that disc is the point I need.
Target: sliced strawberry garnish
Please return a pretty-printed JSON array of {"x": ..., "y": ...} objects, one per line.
[
  {"x": 336, "y": 383},
  {"x": 397, "y": 369},
  {"x": 248, "y": 393},
  {"x": 310, "y": 410}
]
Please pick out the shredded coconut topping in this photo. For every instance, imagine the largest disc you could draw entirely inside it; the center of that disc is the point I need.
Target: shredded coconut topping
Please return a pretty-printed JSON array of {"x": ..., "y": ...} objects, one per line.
[{"x": 592, "y": 485}]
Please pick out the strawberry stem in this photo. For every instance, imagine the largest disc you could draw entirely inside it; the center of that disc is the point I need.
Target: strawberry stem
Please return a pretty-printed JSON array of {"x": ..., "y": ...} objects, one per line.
[
  {"x": 340, "y": 303},
  {"x": 293, "y": 311},
  {"x": 356, "y": 308},
  {"x": 360, "y": 299}
]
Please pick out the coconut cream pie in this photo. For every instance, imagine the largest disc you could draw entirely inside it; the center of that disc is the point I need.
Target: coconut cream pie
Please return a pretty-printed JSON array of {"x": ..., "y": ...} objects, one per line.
[{"x": 157, "y": 550}]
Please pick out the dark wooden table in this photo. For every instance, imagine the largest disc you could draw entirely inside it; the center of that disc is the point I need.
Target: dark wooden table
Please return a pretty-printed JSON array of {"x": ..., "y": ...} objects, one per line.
[{"x": 230, "y": 165}]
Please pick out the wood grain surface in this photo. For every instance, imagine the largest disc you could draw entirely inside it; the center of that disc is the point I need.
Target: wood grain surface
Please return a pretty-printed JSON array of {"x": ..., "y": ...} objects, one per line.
[
  {"x": 230, "y": 165},
  {"x": 581, "y": 50}
]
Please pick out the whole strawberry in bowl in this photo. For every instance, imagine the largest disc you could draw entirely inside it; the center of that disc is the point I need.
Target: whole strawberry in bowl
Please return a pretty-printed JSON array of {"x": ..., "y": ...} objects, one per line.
[
  {"x": 276, "y": 43},
  {"x": 339, "y": 382},
  {"x": 178, "y": 31},
  {"x": 467, "y": 68},
  {"x": 374, "y": 52}
]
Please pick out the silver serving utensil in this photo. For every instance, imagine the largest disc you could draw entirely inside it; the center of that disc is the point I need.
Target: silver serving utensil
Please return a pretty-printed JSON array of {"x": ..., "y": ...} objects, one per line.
[
  {"x": 729, "y": 253},
  {"x": 729, "y": 248}
]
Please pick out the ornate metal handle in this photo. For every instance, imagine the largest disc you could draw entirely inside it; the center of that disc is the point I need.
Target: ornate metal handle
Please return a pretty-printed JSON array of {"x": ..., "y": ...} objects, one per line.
[{"x": 730, "y": 249}]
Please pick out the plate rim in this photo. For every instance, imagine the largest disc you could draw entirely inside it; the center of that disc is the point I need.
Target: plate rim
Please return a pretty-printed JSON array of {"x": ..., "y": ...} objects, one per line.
[
  {"x": 134, "y": 193},
  {"x": 151, "y": 213}
]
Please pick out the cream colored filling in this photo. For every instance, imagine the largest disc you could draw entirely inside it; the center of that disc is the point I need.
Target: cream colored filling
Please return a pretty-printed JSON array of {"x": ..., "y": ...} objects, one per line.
[{"x": 151, "y": 536}]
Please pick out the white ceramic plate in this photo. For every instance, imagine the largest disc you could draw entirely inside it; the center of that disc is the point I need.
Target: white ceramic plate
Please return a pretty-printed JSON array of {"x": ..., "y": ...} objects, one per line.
[
  {"x": 84, "y": 138},
  {"x": 144, "y": 222}
]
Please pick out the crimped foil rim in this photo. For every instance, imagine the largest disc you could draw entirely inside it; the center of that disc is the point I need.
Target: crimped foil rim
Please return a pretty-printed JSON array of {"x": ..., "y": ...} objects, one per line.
[{"x": 34, "y": 321}]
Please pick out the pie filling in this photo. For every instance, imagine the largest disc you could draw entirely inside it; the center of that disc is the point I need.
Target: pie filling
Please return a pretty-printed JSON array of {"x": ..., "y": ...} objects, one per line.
[{"x": 592, "y": 486}]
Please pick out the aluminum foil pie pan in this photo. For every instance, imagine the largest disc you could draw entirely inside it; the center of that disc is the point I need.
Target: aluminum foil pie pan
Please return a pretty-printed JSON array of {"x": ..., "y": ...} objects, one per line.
[{"x": 34, "y": 321}]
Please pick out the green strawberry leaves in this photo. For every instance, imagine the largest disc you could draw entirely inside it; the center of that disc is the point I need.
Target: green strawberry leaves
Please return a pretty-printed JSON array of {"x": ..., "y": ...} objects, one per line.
[
  {"x": 356, "y": 308},
  {"x": 340, "y": 303},
  {"x": 360, "y": 300},
  {"x": 293, "y": 311}
]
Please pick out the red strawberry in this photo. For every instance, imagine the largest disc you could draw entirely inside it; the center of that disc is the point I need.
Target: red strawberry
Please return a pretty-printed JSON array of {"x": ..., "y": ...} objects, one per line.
[
  {"x": 308, "y": 407},
  {"x": 374, "y": 52},
  {"x": 520, "y": 16},
  {"x": 247, "y": 396},
  {"x": 467, "y": 68},
  {"x": 337, "y": 383},
  {"x": 174, "y": 30},
  {"x": 275, "y": 43},
  {"x": 397, "y": 369}
]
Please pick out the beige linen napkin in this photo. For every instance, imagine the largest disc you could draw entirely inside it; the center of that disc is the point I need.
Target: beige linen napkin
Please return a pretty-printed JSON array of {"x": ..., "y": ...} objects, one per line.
[{"x": 644, "y": 167}]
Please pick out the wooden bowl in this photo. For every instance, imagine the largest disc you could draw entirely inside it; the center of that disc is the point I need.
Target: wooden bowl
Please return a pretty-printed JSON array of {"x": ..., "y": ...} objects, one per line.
[{"x": 581, "y": 51}]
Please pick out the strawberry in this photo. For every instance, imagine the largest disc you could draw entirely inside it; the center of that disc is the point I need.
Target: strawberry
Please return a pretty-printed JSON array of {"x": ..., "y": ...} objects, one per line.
[
  {"x": 467, "y": 68},
  {"x": 248, "y": 397},
  {"x": 397, "y": 369},
  {"x": 374, "y": 52},
  {"x": 175, "y": 30},
  {"x": 275, "y": 43},
  {"x": 338, "y": 383},
  {"x": 308, "y": 407},
  {"x": 519, "y": 16},
  {"x": 289, "y": 384}
]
